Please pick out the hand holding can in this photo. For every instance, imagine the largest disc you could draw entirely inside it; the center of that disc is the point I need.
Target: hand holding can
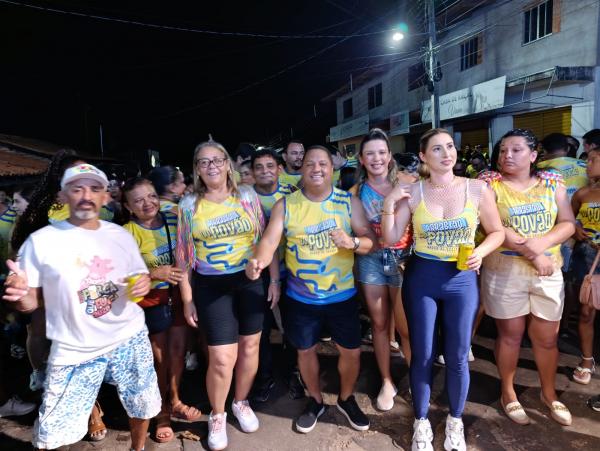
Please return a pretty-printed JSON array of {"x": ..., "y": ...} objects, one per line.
[
  {"x": 131, "y": 280},
  {"x": 464, "y": 252}
]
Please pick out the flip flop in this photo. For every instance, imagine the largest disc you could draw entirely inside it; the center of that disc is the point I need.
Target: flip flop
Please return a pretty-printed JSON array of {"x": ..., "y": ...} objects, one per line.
[
  {"x": 585, "y": 374},
  {"x": 185, "y": 414}
]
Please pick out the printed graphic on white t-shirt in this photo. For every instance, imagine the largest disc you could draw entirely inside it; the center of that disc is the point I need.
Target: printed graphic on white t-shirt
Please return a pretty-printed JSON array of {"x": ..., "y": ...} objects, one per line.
[{"x": 97, "y": 292}]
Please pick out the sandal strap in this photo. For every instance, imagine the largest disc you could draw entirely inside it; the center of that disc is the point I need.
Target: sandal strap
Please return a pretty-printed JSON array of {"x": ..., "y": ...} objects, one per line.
[{"x": 559, "y": 406}]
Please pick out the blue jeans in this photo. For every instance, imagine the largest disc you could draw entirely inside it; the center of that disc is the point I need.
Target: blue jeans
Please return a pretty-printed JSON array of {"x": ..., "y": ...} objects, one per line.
[{"x": 431, "y": 286}]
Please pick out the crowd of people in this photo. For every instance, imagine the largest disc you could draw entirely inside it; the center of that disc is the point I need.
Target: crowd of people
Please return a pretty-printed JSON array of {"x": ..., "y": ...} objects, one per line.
[{"x": 110, "y": 278}]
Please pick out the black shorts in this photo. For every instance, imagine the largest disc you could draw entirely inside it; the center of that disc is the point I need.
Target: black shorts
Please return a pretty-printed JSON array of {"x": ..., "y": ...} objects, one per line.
[
  {"x": 303, "y": 323},
  {"x": 228, "y": 306}
]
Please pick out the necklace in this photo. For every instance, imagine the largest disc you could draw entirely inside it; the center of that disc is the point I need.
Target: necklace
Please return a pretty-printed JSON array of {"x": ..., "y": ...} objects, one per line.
[{"x": 436, "y": 186}]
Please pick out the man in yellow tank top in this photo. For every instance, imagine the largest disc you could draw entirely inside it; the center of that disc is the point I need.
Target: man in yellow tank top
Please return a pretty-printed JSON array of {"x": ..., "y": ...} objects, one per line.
[
  {"x": 319, "y": 223},
  {"x": 292, "y": 155}
]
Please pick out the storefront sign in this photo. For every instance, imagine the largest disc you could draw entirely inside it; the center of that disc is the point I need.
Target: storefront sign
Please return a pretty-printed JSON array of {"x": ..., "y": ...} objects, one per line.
[
  {"x": 475, "y": 99},
  {"x": 399, "y": 123},
  {"x": 349, "y": 129}
]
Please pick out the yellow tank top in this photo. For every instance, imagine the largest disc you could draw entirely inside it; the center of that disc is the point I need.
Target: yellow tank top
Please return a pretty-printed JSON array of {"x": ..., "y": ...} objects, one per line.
[
  {"x": 589, "y": 217},
  {"x": 530, "y": 213},
  {"x": 223, "y": 236},
  {"x": 60, "y": 212},
  {"x": 285, "y": 178},
  {"x": 7, "y": 222},
  {"x": 571, "y": 169},
  {"x": 438, "y": 239},
  {"x": 268, "y": 200},
  {"x": 154, "y": 245},
  {"x": 318, "y": 272}
]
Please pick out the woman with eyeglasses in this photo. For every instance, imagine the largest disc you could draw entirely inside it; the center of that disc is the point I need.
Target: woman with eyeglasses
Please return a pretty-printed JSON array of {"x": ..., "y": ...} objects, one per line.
[{"x": 219, "y": 225}]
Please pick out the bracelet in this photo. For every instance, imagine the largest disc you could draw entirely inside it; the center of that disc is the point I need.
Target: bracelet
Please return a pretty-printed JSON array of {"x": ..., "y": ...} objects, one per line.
[
  {"x": 387, "y": 213},
  {"x": 356, "y": 244},
  {"x": 275, "y": 282}
]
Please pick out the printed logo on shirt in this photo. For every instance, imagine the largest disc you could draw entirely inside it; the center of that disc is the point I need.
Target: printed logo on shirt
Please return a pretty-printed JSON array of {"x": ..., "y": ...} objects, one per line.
[
  {"x": 529, "y": 219},
  {"x": 229, "y": 224},
  {"x": 592, "y": 212},
  {"x": 317, "y": 236},
  {"x": 449, "y": 233},
  {"x": 95, "y": 291}
]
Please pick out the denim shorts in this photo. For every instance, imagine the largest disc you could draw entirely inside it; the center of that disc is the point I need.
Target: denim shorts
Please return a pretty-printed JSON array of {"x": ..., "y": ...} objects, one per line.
[
  {"x": 371, "y": 271},
  {"x": 581, "y": 262},
  {"x": 70, "y": 391}
]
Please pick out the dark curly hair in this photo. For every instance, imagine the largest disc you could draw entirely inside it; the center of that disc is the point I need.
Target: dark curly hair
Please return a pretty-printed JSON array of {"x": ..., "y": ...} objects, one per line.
[
  {"x": 44, "y": 197},
  {"x": 530, "y": 140}
]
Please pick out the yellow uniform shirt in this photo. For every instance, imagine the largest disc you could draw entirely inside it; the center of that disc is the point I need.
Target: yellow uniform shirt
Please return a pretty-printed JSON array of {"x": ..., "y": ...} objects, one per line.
[
  {"x": 168, "y": 205},
  {"x": 7, "y": 222},
  {"x": 223, "y": 236},
  {"x": 439, "y": 239},
  {"x": 60, "y": 212},
  {"x": 572, "y": 171},
  {"x": 285, "y": 178},
  {"x": 530, "y": 213},
  {"x": 154, "y": 244},
  {"x": 318, "y": 272},
  {"x": 589, "y": 217}
]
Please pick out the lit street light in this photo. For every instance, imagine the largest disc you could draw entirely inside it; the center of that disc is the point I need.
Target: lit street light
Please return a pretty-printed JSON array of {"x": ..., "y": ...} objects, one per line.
[{"x": 397, "y": 36}]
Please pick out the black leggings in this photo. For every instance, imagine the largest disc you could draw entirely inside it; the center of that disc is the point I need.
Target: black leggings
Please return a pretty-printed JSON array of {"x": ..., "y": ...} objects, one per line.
[{"x": 228, "y": 306}]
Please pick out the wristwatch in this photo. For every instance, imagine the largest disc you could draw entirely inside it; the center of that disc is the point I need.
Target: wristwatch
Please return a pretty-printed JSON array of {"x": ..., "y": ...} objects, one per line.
[{"x": 356, "y": 243}]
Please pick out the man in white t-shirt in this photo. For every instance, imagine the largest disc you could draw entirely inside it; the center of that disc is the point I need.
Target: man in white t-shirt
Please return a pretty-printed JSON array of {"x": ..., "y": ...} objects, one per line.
[{"x": 76, "y": 269}]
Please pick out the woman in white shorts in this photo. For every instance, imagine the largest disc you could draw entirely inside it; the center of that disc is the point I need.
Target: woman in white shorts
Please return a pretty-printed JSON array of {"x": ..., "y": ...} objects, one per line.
[{"x": 522, "y": 284}]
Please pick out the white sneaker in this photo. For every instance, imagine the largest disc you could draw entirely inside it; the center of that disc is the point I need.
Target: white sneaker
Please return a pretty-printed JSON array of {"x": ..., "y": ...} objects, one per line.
[
  {"x": 471, "y": 356},
  {"x": 440, "y": 359},
  {"x": 455, "y": 435},
  {"x": 385, "y": 398},
  {"x": 217, "y": 431},
  {"x": 422, "y": 435},
  {"x": 15, "y": 407},
  {"x": 36, "y": 380},
  {"x": 245, "y": 415}
]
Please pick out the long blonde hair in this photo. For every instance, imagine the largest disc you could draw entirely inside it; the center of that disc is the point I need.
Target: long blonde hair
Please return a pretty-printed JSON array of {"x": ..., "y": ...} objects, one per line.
[
  {"x": 362, "y": 176},
  {"x": 199, "y": 185}
]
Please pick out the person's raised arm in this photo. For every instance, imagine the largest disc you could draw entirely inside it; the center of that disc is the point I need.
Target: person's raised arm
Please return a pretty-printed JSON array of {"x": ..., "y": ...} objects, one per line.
[
  {"x": 266, "y": 247},
  {"x": 18, "y": 293},
  {"x": 395, "y": 215}
]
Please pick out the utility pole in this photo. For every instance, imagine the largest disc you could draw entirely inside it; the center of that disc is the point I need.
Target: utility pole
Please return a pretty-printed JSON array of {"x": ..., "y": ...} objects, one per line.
[{"x": 432, "y": 69}]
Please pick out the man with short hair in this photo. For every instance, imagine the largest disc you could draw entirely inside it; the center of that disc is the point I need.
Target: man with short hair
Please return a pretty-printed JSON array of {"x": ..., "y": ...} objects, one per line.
[
  {"x": 76, "y": 269},
  {"x": 265, "y": 169},
  {"x": 292, "y": 154},
  {"x": 324, "y": 227},
  {"x": 572, "y": 170}
]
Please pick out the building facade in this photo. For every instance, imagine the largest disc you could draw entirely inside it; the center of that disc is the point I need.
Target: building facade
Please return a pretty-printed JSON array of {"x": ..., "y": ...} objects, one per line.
[{"x": 504, "y": 64}]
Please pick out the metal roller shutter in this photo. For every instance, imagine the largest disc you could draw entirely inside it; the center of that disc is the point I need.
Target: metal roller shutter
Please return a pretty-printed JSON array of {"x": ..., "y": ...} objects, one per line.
[
  {"x": 542, "y": 123},
  {"x": 474, "y": 138}
]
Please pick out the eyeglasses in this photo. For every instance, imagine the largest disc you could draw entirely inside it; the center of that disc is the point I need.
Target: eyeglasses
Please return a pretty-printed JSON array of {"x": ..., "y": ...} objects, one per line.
[{"x": 205, "y": 162}]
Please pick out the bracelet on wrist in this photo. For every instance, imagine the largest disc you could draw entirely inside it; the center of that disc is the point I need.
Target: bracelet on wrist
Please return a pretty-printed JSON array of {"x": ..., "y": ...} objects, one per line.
[{"x": 275, "y": 282}]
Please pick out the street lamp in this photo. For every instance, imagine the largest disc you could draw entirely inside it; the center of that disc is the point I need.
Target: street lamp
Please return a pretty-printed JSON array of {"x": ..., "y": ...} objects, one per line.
[{"x": 397, "y": 36}]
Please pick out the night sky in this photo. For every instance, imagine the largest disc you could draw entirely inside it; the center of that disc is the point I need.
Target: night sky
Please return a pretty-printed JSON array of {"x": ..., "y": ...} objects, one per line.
[{"x": 62, "y": 74}]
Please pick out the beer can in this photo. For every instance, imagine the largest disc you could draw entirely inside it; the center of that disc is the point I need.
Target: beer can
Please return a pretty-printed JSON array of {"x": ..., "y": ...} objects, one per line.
[
  {"x": 131, "y": 280},
  {"x": 464, "y": 252}
]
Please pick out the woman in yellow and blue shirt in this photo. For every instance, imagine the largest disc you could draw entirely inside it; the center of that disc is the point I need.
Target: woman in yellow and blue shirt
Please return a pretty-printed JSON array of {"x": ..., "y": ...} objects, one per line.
[
  {"x": 586, "y": 207},
  {"x": 522, "y": 282},
  {"x": 218, "y": 227},
  {"x": 445, "y": 211}
]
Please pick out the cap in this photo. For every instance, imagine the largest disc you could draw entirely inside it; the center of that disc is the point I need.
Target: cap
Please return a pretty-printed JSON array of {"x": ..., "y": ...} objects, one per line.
[{"x": 83, "y": 171}]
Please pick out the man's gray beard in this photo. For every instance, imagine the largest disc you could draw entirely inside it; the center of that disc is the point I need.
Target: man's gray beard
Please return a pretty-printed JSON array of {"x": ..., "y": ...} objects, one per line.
[{"x": 84, "y": 215}]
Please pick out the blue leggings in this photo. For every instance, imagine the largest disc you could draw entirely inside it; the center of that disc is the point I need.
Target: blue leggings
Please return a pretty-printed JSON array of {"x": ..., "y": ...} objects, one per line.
[{"x": 430, "y": 285}]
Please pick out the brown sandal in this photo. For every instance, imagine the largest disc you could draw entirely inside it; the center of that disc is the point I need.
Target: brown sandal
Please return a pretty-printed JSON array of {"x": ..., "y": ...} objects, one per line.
[
  {"x": 185, "y": 414},
  {"x": 163, "y": 428},
  {"x": 96, "y": 427}
]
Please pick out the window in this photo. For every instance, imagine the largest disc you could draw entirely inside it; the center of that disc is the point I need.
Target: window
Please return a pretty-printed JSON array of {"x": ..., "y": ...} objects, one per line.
[
  {"x": 538, "y": 21},
  {"x": 471, "y": 53},
  {"x": 375, "y": 96},
  {"x": 416, "y": 76},
  {"x": 347, "y": 105}
]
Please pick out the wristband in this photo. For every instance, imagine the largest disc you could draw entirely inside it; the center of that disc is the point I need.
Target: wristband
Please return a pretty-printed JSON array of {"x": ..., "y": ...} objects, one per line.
[
  {"x": 275, "y": 282},
  {"x": 356, "y": 243}
]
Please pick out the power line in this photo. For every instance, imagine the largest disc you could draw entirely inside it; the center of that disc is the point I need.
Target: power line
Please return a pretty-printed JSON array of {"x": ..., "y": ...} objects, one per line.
[{"x": 190, "y": 30}]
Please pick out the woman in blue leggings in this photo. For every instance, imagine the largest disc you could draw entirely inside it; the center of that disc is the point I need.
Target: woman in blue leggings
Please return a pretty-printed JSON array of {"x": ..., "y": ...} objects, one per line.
[{"x": 445, "y": 211}]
